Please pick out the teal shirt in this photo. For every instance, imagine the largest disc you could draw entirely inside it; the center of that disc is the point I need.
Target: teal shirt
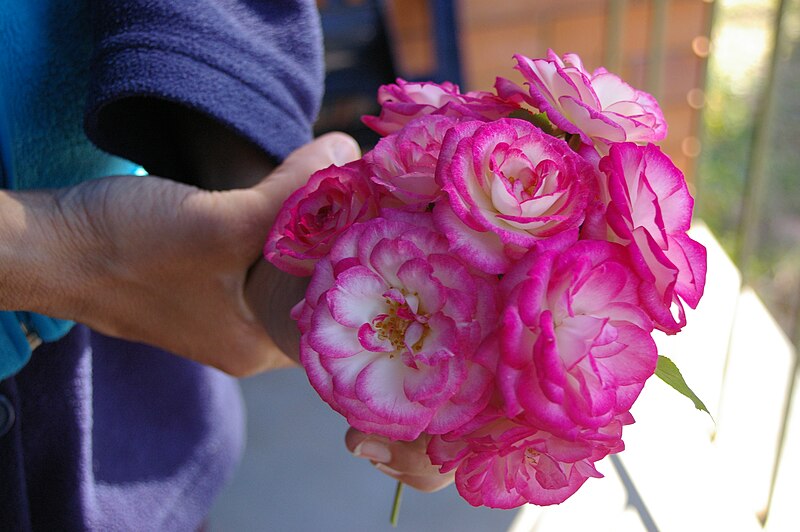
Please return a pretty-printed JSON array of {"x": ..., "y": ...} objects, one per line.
[{"x": 43, "y": 86}]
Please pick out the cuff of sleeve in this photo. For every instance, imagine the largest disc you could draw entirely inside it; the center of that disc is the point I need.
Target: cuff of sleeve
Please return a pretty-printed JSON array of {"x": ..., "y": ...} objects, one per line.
[
  {"x": 168, "y": 75},
  {"x": 20, "y": 333}
]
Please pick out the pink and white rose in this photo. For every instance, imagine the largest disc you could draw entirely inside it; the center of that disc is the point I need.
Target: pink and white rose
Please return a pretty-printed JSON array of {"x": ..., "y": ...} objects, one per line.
[
  {"x": 403, "y": 101},
  {"x": 315, "y": 215},
  {"x": 505, "y": 463},
  {"x": 649, "y": 210},
  {"x": 575, "y": 346},
  {"x": 391, "y": 329},
  {"x": 404, "y": 163},
  {"x": 599, "y": 107},
  {"x": 509, "y": 186}
]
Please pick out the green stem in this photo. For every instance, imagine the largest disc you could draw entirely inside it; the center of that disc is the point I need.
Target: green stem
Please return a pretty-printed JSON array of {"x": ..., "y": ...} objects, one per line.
[{"x": 398, "y": 495}]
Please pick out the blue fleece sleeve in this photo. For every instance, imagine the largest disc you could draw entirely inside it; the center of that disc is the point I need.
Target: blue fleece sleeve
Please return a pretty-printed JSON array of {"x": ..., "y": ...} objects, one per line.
[{"x": 256, "y": 66}]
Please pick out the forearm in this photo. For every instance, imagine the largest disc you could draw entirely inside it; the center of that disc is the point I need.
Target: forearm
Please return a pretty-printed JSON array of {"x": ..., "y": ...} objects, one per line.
[{"x": 38, "y": 242}]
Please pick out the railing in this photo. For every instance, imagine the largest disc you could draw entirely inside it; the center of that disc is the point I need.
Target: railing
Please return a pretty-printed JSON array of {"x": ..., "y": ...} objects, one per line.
[{"x": 681, "y": 471}]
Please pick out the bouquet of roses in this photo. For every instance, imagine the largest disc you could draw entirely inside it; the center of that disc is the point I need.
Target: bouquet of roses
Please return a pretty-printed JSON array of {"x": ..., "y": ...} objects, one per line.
[{"x": 490, "y": 274}]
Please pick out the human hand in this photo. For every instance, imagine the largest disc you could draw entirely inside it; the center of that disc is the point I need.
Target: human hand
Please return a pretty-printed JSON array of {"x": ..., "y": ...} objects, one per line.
[
  {"x": 152, "y": 260},
  {"x": 403, "y": 461}
]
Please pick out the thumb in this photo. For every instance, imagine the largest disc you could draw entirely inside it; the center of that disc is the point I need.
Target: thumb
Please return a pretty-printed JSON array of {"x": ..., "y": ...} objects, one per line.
[{"x": 331, "y": 148}]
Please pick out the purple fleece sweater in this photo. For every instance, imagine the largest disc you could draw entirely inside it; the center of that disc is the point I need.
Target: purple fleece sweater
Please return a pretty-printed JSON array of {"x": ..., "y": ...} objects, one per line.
[{"x": 103, "y": 434}]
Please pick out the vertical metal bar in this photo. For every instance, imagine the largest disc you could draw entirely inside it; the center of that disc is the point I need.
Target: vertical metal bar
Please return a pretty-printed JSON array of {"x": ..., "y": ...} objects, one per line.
[
  {"x": 445, "y": 28},
  {"x": 755, "y": 187},
  {"x": 615, "y": 35},
  {"x": 658, "y": 43},
  {"x": 702, "y": 84},
  {"x": 747, "y": 234}
]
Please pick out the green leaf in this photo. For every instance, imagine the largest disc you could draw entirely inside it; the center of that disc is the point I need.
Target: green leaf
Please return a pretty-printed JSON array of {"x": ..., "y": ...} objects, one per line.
[
  {"x": 539, "y": 120},
  {"x": 667, "y": 371}
]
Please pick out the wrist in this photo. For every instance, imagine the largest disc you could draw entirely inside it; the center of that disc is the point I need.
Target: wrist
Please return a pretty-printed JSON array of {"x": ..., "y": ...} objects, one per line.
[{"x": 37, "y": 265}]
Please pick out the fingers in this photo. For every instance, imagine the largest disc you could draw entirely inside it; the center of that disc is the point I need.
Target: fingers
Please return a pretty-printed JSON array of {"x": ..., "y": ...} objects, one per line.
[
  {"x": 331, "y": 148},
  {"x": 404, "y": 461},
  {"x": 271, "y": 294},
  {"x": 268, "y": 293}
]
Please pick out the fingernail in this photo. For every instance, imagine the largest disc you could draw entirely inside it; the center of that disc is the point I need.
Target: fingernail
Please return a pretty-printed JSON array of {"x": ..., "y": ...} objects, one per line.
[
  {"x": 373, "y": 450},
  {"x": 344, "y": 151},
  {"x": 383, "y": 468}
]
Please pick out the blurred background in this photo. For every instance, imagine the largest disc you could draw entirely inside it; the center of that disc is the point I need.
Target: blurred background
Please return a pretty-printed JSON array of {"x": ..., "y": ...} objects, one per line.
[{"x": 727, "y": 76}]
